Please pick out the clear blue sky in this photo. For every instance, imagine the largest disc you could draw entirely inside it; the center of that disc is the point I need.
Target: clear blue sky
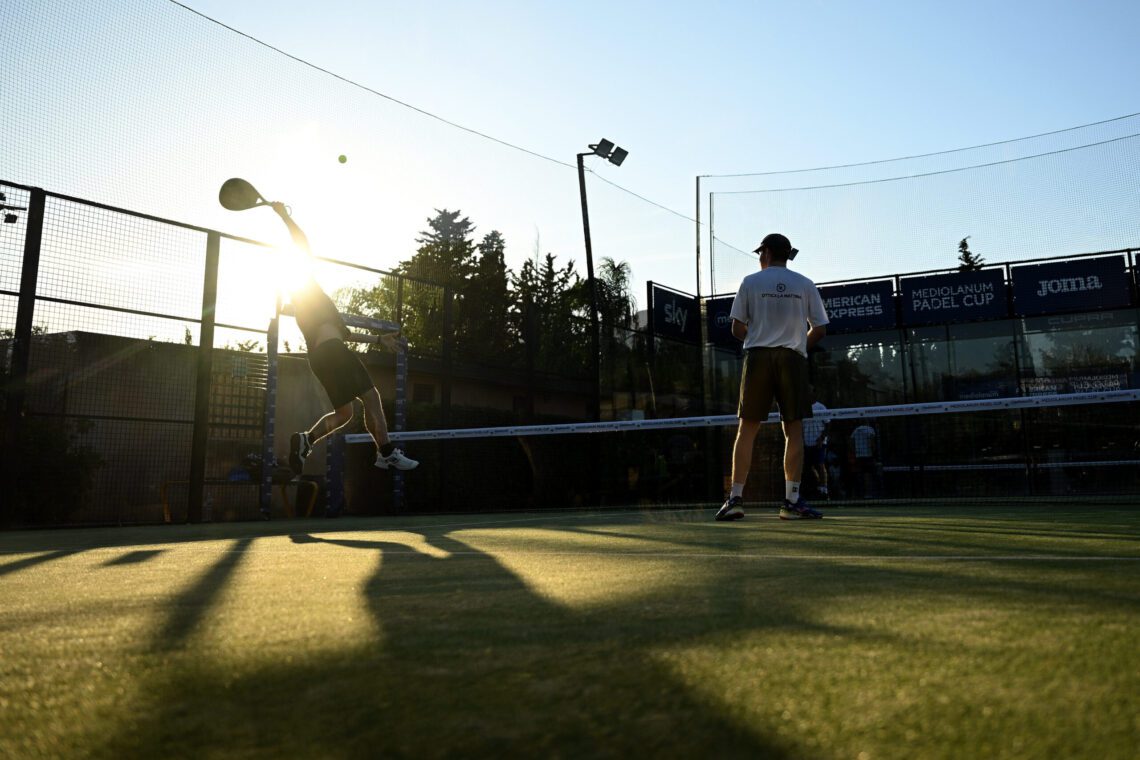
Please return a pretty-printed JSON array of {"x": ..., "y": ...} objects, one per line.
[{"x": 144, "y": 105}]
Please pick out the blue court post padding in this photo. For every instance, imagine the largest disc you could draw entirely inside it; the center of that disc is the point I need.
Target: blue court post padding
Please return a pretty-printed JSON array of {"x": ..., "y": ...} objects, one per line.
[
  {"x": 334, "y": 483},
  {"x": 398, "y": 418},
  {"x": 265, "y": 489}
]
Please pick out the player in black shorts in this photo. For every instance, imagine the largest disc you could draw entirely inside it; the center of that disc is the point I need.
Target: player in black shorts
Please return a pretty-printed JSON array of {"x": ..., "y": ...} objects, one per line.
[{"x": 338, "y": 369}]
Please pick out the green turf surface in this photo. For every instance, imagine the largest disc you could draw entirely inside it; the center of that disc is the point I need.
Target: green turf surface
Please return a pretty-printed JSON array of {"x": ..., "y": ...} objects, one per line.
[{"x": 918, "y": 632}]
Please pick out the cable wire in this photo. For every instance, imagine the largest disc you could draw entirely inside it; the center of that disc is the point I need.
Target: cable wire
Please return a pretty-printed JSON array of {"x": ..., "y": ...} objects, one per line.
[
  {"x": 929, "y": 174},
  {"x": 922, "y": 155}
]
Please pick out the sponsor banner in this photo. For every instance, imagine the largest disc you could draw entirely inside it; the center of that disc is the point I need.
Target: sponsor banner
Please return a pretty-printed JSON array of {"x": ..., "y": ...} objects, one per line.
[
  {"x": 1092, "y": 383},
  {"x": 954, "y": 297},
  {"x": 860, "y": 306},
  {"x": 720, "y": 323},
  {"x": 974, "y": 390},
  {"x": 1080, "y": 285},
  {"x": 676, "y": 316}
]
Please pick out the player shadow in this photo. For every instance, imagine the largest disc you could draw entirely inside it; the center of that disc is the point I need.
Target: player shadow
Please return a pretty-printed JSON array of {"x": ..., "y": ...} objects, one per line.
[{"x": 469, "y": 660}]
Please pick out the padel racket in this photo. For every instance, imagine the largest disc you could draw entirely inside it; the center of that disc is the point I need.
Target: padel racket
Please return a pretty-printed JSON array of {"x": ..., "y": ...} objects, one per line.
[{"x": 238, "y": 195}]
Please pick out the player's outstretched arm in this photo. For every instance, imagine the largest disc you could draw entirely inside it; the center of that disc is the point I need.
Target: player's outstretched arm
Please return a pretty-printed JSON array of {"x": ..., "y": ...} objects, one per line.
[{"x": 298, "y": 235}]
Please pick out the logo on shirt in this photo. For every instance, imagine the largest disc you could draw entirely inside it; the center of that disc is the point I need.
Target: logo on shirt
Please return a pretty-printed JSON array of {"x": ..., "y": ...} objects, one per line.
[{"x": 781, "y": 287}]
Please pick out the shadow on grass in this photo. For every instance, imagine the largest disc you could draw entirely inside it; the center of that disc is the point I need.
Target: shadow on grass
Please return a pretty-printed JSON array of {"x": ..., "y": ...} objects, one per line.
[
  {"x": 39, "y": 559},
  {"x": 470, "y": 662},
  {"x": 473, "y": 661},
  {"x": 194, "y": 604},
  {"x": 133, "y": 558}
]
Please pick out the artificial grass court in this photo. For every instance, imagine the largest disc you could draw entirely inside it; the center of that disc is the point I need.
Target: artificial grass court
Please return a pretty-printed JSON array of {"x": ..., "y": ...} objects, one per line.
[{"x": 875, "y": 633}]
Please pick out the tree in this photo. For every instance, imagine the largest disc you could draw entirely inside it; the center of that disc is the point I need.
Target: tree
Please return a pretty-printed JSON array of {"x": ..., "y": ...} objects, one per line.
[
  {"x": 445, "y": 257},
  {"x": 547, "y": 313},
  {"x": 487, "y": 300},
  {"x": 616, "y": 305},
  {"x": 968, "y": 261}
]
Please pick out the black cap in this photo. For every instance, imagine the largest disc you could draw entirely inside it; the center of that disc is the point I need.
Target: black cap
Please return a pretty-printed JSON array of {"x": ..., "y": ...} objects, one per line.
[{"x": 779, "y": 245}]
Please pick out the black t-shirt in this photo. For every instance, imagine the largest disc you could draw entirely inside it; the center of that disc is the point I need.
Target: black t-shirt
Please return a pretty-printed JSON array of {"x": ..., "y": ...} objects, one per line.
[{"x": 312, "y": 308}]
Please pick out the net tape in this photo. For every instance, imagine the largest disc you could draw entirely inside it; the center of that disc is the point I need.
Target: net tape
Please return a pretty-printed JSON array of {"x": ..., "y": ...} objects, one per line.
[{"x": 865, "y": 412}]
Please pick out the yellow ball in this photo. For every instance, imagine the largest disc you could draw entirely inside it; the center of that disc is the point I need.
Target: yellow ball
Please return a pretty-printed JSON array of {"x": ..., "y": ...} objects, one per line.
[{"x": 342, "y": 158}]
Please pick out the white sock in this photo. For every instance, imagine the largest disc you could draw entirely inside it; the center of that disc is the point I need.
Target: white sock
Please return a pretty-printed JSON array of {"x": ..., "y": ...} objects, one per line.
[
  {"x": 737, "y": 491},
  {"x": 792, "y": 490}
]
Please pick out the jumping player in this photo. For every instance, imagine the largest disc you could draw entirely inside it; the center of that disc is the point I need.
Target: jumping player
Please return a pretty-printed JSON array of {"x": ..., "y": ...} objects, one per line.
[{"x": 338, "y": 369}]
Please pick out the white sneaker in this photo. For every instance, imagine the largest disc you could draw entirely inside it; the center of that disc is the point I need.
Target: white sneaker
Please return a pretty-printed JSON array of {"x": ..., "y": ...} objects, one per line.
[{"x": 395, "y": 460}]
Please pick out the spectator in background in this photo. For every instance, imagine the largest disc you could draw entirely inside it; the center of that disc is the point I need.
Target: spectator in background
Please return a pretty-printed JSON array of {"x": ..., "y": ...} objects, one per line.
[
  {"x": 864, "y": 447},
  {"x": 815, "y": 448}
]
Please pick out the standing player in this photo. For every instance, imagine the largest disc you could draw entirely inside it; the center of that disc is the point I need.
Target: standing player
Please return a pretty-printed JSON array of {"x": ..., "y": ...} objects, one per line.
[
  {"x": 338, "y": 369},
  {"x": 772, "y": 314},
  {"x": 815, "y": 447}
]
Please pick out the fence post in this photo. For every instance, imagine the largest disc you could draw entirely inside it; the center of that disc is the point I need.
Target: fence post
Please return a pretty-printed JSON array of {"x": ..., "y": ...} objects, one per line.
[
  {"x": 399, "y": 300},
  {"x": 16, "y": 391},
  {"x": 448, "y": 343},
  {"x": 399, "y": 417},
  {"x": 269, "y": 429},
  {"x": 202, "y": 387}
]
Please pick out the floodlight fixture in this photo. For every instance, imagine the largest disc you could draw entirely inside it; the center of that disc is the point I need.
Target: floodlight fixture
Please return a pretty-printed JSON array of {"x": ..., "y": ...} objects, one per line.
[
  {"x": 603, "y": 148},
  {"x": 607, "y": 150}
]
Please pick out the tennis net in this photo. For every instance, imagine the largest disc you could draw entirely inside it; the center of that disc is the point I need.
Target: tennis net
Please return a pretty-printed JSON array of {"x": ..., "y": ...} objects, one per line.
[{"x": 1047, "y": 447}]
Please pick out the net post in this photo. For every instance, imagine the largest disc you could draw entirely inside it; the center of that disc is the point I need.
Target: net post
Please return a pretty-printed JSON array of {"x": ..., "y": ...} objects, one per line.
[{"x": 202, "y": 387}]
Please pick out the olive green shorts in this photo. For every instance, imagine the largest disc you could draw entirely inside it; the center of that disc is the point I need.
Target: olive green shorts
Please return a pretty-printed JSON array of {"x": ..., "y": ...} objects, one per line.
[{"x": 779, "y": 374}]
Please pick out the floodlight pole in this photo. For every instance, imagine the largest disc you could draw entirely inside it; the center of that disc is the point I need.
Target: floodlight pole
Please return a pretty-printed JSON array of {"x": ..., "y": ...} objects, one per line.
[
  {"x": 596, "y": 365},
  {"x": 615, "y": 155},
  {"x": 698, "y": 237}
]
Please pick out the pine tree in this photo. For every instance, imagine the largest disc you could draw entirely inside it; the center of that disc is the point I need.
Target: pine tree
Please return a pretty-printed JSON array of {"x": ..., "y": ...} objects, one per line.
[
  {"x": 487, "y": 300},
  {"x": 968, "y": 261}
]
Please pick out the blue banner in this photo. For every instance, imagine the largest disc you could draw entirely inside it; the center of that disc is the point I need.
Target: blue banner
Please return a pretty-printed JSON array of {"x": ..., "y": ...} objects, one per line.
[
  {"x": 859, "y": 306},
  {"x": 676, "y": 315},
  {"x": 954, "y": 297},
  {"x": 720, "y": 323},
  {"x": 1080, "y": 285}
]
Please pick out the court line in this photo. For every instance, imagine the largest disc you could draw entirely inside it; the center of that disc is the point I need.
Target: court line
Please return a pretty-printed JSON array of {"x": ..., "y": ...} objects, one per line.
[
  {"x": 572, "y": 516},
  {"x": 410, "y": 551}
]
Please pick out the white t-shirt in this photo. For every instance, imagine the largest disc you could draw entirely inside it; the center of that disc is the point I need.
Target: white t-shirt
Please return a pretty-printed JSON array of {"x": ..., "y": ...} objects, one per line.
[
  {"x": 778, "y": 304},
  {"x": 813, "y": 426},
  {"x": 863, "y": 439}
]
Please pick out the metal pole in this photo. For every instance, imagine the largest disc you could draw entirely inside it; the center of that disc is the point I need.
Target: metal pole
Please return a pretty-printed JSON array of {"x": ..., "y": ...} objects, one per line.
[
  {"x": 202, "y": 389},
  {"x": 16, "y": 392},
  {"x": 712, "y": 250},
  {"x": 399, "y": 416},
  {"x": 698, "y": 237},
  {"x": 596, "y": 411}
]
